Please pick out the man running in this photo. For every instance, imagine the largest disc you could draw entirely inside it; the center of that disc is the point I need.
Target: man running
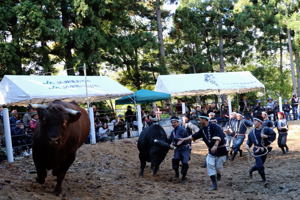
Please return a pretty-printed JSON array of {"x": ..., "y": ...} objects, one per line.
[
  {"x": 260, "y": 137},
  {"x": 241, "y": 128},
  {"x": 214, "y": 139}
]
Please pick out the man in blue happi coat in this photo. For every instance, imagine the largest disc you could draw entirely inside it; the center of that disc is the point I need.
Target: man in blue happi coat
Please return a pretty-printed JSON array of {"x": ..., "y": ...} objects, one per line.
[
  {"x": 242, "y": 126},
  {"x": 214, "y": 138},
  {"x": 181, "y": 151},
  {"x": 260, "y": 138}
]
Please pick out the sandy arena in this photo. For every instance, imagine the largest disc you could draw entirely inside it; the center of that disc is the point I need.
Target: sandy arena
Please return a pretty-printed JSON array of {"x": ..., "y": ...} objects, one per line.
[{"x": 110, "y": 171}]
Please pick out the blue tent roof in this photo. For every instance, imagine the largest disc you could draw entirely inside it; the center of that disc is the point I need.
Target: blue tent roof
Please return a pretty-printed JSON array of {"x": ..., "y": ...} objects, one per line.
[{"x": 143, "y": 96}]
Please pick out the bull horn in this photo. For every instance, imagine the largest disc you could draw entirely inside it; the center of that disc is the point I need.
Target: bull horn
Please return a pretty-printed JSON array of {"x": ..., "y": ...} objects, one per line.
[
  {"x": 161, "y": 143},
  {"x": 71, "y": 111},
  {"x": 41, "y": 106}
]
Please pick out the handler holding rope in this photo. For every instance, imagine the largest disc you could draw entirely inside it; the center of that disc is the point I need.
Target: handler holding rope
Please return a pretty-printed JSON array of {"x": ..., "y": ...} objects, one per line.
[
  {"x": 214, "y": 138},
  {"x": 260, "y": 137}
]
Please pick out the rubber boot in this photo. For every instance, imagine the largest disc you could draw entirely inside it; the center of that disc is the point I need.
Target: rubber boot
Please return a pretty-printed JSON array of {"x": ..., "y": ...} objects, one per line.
[
  {"x": 251, "y": 171},
  {"x": 233, "y": 156},
  {"x": 241, "y": 153},
  {"x": 263, "y": 176},
  {"x": 269, "y": 148},
  {"x": 218, "y": 177},
  {"x": 175, "y": 166},
  {"x": 214, "y": 185},
  {"x": 184, "y": 170},
  {"x": 282, "y": 149},
  {"x": 286, "y": 148}
]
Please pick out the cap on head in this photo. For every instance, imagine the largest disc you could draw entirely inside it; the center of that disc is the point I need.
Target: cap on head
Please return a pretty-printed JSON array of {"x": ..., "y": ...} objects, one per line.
[
  {"x": 211, "y": 113},
  {"x": 258, "y": 118},
  {"x": 174, "y": 118},
  {"x": 264, "y": 113},
  {"x": 203, "y": 117}
]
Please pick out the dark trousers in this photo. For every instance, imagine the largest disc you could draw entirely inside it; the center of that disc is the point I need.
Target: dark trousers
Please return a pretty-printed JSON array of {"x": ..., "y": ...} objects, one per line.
[
  {"x": 295, "y": 112},
  {"x": 259, "y": 166},
  {"x": 281, "y": 141},
  {"x": 287, "y": 115},
  {"x": 183, "y": 156}
]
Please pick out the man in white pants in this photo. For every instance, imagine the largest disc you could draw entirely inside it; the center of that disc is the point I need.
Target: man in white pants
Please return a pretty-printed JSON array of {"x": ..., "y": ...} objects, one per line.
[{"x": 214, "y": 139}]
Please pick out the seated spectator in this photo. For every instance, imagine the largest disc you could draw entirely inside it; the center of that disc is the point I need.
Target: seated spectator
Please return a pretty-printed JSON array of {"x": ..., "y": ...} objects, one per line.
[
  {"x": 119, "y": 127},
  {"x": 33, "y": 122},
  {"x": 212, "y": 118},
  {"x": 27, "y": 116},
  {"x": 193, "y": 114},
  {"x": 152, "y": 118},
  {"x": 103, "y": 134},
  {"x": 145, "y": 118},
  {"x": 20, "y": 140},
  {"x": 199, "y": 111},
  {"x": 13, "y": 119},
  {"x": 97, "y": 124}
]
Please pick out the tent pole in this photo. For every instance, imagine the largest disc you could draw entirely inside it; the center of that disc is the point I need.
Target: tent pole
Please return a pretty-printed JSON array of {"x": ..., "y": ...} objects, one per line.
[
  {"x": 229, "y": 104},
  {"x": 139, "y": 115},
  {"x": 183, "y": 108},
  {"x": 280, "y": 104},
  {"x": 8, "y": 143},
  {"x": 92, "y": 125},
  {"x": 90, "y": 111}
]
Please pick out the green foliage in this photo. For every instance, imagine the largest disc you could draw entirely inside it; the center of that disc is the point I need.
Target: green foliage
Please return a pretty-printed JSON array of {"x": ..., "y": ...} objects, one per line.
[
  {"x": 294, "y": 24},
  {"x": 198, "y": 28},
  {"x": 121, "y": 35}
]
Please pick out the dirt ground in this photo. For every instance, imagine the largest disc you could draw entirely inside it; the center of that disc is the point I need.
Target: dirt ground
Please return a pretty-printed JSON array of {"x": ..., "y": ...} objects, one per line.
[{"x": 110, "y": 171}]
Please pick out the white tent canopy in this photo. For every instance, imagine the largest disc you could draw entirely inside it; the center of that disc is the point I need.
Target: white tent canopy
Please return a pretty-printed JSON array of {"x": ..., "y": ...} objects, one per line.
[
  {"x": 21, "y": 90},
  {"x": 208, "y": 83}
]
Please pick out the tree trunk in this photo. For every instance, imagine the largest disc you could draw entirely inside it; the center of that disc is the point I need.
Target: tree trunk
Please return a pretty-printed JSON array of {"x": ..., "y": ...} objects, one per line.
[
  {"x": 162, "y": 61},
  {"x": 209, "y": 55},
  {"x": 16, "y": 43},
  {"x": 192, "y": 55},
  {"x": 45, "y": 58},
  {"x": 68, "y": 53},
  {"x": 222, "y": 65},
  {"x": 136, "y": 73},
  {"x": 280, "y": 50},
  {"x": 297, "y": 60},
  {"x": 281, "y": 62},
  {"x": 221, "y": 51},
  {"x": 292, "y": 61}
]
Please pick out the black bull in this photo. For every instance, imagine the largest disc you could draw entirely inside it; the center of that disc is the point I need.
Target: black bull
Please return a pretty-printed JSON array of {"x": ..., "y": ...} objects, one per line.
[
  {"x": 153, "y": 147},
  {"x": 63, "y": 128}
]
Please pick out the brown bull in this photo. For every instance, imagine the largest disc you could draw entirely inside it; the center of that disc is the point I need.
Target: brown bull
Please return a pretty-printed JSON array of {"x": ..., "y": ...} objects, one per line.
[{"x": 63, "y": 128}]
